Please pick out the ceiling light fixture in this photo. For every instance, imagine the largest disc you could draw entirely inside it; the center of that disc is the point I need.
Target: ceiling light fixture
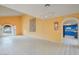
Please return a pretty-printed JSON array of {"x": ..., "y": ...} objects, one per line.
[{"x": 47, "y": 5}]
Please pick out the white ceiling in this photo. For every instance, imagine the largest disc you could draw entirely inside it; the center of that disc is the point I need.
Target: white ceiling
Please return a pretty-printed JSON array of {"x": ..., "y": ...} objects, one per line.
[
  {"x": 4, "y": 11},
  {"x": 40, "y": 10}
]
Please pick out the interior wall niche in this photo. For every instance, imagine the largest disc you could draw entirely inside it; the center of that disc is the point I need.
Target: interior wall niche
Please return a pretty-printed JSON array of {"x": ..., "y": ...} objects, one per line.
[{"x": 32, "y": 24}]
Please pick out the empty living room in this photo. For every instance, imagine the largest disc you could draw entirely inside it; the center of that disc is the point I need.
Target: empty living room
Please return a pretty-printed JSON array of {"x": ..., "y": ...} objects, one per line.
[{"x": 39, "y": 29}]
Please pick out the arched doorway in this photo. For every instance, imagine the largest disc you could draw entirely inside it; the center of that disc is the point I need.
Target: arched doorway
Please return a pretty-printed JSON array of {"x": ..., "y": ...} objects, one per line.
[
  {"x": 8, "y": 29},
  {"x": 70, "y": 31}
]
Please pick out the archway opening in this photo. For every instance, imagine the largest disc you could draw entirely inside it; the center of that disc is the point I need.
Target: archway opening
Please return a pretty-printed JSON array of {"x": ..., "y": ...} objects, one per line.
[
  {"x": 70, "y": 31},
  {"x": 8, "y": 29}
]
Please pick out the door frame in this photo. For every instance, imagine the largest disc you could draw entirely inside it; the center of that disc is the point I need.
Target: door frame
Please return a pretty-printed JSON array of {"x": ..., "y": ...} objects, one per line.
[
  {"x": 13, "y": 27},
  {"x": 67, "y": 19}
]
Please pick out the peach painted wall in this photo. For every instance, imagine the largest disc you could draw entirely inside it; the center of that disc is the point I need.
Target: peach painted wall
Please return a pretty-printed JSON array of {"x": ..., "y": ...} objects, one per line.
[
  {"x": 14, "y": 20},
  {"x": 45, "y": 28}
]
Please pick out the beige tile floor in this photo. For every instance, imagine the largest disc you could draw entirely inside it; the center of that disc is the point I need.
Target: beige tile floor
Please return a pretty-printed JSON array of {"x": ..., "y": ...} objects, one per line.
[{"x": 23, "y": 45}]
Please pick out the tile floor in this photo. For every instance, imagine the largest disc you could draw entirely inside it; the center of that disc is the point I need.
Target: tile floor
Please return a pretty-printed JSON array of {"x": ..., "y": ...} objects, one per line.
[{"x": 23, "y": 45}]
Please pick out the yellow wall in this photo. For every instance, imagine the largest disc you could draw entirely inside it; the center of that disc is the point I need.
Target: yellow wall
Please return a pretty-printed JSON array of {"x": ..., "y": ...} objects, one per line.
[
  {"x": 14, "y": 20},
  {"x": 45, "y": 28}
]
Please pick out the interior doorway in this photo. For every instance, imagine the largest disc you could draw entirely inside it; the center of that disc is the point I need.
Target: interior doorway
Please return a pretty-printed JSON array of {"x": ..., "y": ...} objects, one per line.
[
  {"x": 8, "y": 30},
  {"x": 70, "y": 31}
]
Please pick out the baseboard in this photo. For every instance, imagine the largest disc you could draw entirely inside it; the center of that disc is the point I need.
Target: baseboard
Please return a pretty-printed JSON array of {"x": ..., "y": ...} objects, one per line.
[{"x": 43, "y": 38}]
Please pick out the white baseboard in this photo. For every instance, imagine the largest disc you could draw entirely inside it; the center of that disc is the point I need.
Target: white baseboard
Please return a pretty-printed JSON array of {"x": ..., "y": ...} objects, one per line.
[{"x": 43, "y": 38}]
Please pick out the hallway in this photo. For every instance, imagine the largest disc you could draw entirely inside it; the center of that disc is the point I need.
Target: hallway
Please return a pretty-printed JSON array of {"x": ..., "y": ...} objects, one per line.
[{"x": 23, "y": 45}]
